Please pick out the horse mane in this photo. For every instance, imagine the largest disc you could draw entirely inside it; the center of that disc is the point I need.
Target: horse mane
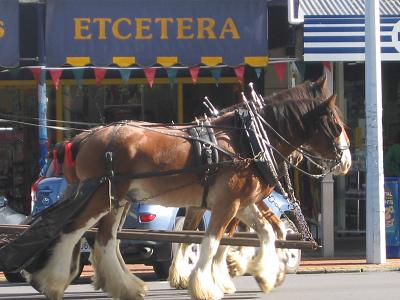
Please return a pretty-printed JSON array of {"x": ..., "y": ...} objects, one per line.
[{"x": 289, "y": 115}]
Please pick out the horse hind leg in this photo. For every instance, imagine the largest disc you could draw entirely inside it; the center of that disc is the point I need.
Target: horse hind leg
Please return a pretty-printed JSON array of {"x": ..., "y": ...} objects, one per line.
[
  {"x": 111, "y": 274},
  {"x": 238, "y": 258},
  {"x": 180, "y": 269},
  {"x": 58, "y": 270}
]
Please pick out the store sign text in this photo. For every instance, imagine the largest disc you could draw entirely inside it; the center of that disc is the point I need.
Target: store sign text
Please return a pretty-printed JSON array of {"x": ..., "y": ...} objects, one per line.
[
  {"x": 154, "y": 28},
  {"x": 2, "y": 29}
]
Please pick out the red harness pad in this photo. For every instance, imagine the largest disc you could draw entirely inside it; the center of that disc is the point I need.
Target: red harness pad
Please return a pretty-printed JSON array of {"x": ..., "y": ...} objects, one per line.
[{"x": 68, "y": 155}]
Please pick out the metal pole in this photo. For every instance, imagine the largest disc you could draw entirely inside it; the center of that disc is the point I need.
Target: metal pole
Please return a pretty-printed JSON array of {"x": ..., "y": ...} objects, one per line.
[
  {"x": 42, "y": 99},
  {"x": 376, "y": 244}
]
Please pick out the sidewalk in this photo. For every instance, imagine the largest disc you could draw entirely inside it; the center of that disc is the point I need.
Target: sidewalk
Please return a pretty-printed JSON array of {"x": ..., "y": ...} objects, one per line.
[{"x": 350, "y": 256}]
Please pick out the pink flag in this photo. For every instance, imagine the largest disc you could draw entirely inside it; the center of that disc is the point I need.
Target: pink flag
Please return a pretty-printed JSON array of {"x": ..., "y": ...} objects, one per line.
[
  {"x": 194, "y": 73},
  {"x": 55, "y": 75},
  {"x": 239, "y": 71},
  {"x": 327, "y": 65},
  {"x": 150, "y": 74},
  {"x": 36, "y": 73},
  {"x": 99, "y": 73},
  {"x": 280, "y": 69}
]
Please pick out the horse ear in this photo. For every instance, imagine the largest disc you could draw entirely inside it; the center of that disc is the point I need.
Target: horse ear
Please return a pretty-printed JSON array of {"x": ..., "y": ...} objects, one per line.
[
  {"x": 321, "y": 82},
  {"x": 332, "y": 100}
]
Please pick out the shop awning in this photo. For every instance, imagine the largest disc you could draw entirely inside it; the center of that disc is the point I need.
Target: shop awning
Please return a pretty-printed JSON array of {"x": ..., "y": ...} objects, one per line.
[
  {"x": 9, "y": 33},
  {"x": 335, "y": 30},
  {"x": 299, "y": 8},
  {"x": 148, "y": 32}
]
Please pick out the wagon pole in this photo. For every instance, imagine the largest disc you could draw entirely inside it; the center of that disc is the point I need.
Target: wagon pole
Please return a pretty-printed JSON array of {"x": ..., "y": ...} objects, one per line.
[{"x": 192, "y": 237}]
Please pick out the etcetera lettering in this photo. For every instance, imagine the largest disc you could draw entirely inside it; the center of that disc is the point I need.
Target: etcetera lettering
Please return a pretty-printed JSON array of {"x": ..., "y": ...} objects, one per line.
[
  {"x": 2, "y": 29},
  {"x": 154, "y": 28}
]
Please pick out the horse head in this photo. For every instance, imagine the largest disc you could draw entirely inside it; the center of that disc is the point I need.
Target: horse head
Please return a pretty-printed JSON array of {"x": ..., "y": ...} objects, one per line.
[
  {"x": 313, "y": 127},
  {"x": 328, "y": 137}
]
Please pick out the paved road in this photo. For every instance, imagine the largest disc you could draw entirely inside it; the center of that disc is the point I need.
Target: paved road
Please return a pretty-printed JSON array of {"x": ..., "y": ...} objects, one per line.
[{"x": 340, "y": 286}]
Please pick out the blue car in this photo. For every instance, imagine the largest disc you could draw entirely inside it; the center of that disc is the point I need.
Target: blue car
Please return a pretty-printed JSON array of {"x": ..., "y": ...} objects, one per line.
[{"x": 50, "y": 186}]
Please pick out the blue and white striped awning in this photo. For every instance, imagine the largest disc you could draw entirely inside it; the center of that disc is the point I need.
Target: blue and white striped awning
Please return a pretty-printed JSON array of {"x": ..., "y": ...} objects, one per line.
[
  {"x": 345, "y": 7},
  {"x": 342, "y": 38},
  {"x": 297, "y": 9}
]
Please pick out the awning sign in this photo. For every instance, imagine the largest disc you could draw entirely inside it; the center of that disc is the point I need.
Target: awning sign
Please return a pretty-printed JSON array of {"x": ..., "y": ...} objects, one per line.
[
  {"x": 342, "y": 38},
  {"x": 9, "y": 33},
  {"x": 145, "y": 32}
]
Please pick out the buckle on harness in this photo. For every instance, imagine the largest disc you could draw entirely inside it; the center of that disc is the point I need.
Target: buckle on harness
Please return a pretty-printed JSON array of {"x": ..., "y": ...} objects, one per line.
[{"x": 109, "y": 166}]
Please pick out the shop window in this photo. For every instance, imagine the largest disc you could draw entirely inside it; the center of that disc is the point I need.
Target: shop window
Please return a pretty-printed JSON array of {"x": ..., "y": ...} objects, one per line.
[{"x": 221, "y": 96}]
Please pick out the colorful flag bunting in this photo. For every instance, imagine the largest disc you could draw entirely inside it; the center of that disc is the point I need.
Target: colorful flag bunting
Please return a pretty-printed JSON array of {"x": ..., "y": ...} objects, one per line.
[
  {"x": 14, "y": 72},
  {"x": 55, "y": 75},
  {"x": 280, "y": 69},
  {"x": 239, "y": 71},
  {"x": 150, "y": 74},
  {"x": 194, "y": 73},
  {"x": 99, "y": 73},
  {"x": 216, "y": 73},
  {"x": 172, "y": 73},
  {"x": 327, "y": 65},
  {"x": 125, "y": 74},
  {"x": 36, "y": 73},
  {"x": 78, "y": 75},
  {"x": 258, "y": 72},
  {"x": 300, "y": 66}
]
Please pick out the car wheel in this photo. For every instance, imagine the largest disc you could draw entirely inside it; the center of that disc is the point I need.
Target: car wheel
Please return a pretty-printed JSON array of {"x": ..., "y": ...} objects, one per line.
[
  {"x": 162, "y": 268},
  {"x": 294, "y": 255},
  {"x": 14, "y": 277}
]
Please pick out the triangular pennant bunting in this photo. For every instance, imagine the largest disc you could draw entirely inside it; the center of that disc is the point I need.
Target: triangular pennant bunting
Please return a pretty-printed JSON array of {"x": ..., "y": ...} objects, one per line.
[
  {"x": 150, "y": 74},
  {"x": 125, "y": 74},
  {"x": 78, "y": 74},
  {"x": 280, "y": 69},
  {"x": 194, "y": 73},
  {"x": 327, "y": 65},
  {"x": 172, "y": 73},
  {"x": 216, "y": 74},
  {"x": 239, "y": 71},
  {"x": 99, "y": 73},
  {"x": 55, "y": 75},
  {"x": 300, "y": 66},
  {"x": 258, "y": 72},
  {"x": 14, "y": 72},
  {"x": 36, "y": 73}
]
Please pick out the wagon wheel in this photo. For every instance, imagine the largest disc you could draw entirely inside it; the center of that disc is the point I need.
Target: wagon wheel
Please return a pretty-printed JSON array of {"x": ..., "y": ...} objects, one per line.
[{"x": 162, "y": 268}]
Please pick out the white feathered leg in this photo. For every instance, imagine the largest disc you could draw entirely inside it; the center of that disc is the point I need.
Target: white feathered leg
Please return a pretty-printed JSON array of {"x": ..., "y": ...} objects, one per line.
[
  {"x": 265, "y": 267},
  {"x": 220, "y": 271},
  {"x": 110, "y": 276},
  {"x": 180, "y": 269},
  {"x": 201, "y": 283}
]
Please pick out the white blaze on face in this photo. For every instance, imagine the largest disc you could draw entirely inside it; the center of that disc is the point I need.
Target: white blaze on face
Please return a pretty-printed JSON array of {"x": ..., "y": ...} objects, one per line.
[{"x": 345, "y": 160}]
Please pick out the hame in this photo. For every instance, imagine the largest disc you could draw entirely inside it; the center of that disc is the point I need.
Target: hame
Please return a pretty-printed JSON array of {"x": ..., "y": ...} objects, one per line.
[{"x": 154, "y": 28}]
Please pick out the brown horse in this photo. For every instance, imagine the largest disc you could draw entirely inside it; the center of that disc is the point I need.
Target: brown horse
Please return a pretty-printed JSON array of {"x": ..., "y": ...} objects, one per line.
[
  {"x": 142, "y": 151},
  {"x": 237, "y": 261}
]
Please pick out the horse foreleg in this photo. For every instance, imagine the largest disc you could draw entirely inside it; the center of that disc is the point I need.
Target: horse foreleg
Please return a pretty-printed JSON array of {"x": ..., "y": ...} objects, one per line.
[
  {"x": 58, "y": 270},
  {"x": 280, "y": 230},
  {"x": 266, "y": 266},
  {"x": 111, "y": 274},
  {"x": 201, "y": 280},
  {"x": 180, "y": 268}
]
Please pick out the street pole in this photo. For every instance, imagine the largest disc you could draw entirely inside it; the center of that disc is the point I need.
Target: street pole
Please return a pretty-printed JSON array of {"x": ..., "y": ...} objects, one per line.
[
  {"x": 42, "y": 97},
  {"x": 375, "y": 210}
]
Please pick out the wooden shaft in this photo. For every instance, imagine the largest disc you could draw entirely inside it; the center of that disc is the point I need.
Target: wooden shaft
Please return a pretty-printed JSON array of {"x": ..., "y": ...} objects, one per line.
[{"x": 192, "y": 237}]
